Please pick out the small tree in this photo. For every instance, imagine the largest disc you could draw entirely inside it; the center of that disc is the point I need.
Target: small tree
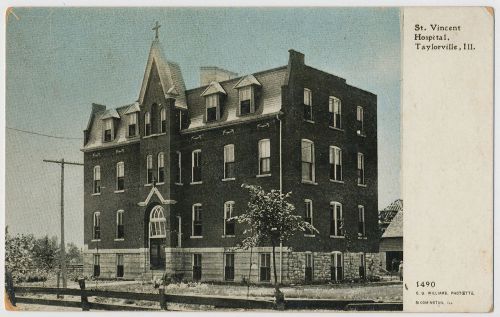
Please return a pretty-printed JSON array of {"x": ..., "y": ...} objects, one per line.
[{"x": 270, "y": 218}]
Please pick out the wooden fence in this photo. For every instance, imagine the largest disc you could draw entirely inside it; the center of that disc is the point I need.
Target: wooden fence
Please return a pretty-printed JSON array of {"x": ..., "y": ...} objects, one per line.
[{"x": 21, "y": 295}]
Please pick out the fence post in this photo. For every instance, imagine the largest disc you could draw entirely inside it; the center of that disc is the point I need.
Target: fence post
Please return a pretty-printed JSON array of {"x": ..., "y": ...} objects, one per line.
[
  {"x": 163, "y": 298},
  {"x": 9, "y": 286},
  {"x": 84, "y": 298}
]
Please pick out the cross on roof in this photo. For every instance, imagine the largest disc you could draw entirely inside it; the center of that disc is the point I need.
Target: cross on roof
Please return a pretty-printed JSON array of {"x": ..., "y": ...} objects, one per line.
[{"x": 155, "y": 28}]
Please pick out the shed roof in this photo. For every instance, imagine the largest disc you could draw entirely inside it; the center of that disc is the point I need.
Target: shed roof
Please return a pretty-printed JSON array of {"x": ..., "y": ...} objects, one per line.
[{"x": 395, "y": 228}]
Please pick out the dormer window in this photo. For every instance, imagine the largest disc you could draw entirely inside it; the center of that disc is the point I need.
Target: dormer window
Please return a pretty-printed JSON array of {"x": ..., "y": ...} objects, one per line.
[
  {"x": 212, "y": 104},
  {"x": 246, "y": 92},
  {"x": 108, "y": 130},
  {"x": 132, "y": 124}
]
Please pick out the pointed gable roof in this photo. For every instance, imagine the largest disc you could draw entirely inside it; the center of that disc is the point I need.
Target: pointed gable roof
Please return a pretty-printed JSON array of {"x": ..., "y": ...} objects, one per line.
[
  {"x": 213, "y": 88},
  {"x": 133, "y": 108},
  {"x": 169, "y": 72},
  {"x": 247, "y": 81},
  {"x": 110, "y": 113}
]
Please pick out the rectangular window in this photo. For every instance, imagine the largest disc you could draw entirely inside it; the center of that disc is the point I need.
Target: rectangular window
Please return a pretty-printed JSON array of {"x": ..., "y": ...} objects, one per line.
[
  {"x": 362, "y": 268},
  {"x": 309, "y": 267},
  {"x": 97, "y": 265},
  {"x": 229, "y": 161},
  {"x": 180, "y": 120},
  {"x": 161, "y": 168},
  {"x": 265, "y": 267},
  {"x": 264, "y": 156},
  {"x": 228, "y": 213},
  {"x": 360, "y": 121},
  {"x": 108, "y": 130},
  {"x": 132, "y": 124},
  {"x": 308, "y": 109},
  {"x": 337, "y": 268},
  {"x": 307, "y": 148},
  {"x": 147, "y": 124},
  {"x": 361, "y": 221},
  {"x": 336, "y": 225},
  {"x": 335, "y": 163},
  {"x": 178, "y": 177},
  {"x": 149, "y": 169},
  {"x": 229, "y": 267},
  {"x": 245, "y": 94},
  {"x": 335, "y": 111},
  {"x": 97, "y": 226},
  {"x": 163, "y": 120},
  {"x": 197, "y": 221},
  {"x": 212, "y": 104},
  {"x": 120, "y": 232},
  {"x": 361, "y": 169},
  {"x": 119, "y": 265},
  {"x": 197, "y": 267},
  {"x": 120, "y": 176},
  {"x": 196, "y": 166},
  {"x": 308, "y": 215},
  {"x": 97, "y": 180}
]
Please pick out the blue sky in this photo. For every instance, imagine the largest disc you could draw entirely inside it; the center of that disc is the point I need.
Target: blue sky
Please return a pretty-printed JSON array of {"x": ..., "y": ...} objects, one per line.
[{"x": 59, "y": 61}]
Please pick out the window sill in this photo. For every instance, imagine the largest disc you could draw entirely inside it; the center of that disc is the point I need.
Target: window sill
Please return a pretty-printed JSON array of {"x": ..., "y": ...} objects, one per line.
[
  {"x": 196, "y": 237},
  {"x": 309, "y": 235},
  {"x": 361, "y": 134},
  {"x": 309, "y": 121},
  {"x": 309, "y": 182},
  {"x": 96, "y": 194},
  {"x": 162, "y": 183},
  {"x": 336, "y": 181},
  {"x": 179, "y": 184},
  {"x": 362, "y": 237},
  {"x": 153, "y": 135},
  {"x": 195, "y": 183},
  {"x": 337, "y": 129},
  {"x": 95, "y": 240},
  {"x": 228, "y": 236},
  {"x": 228, "y": 179},
  {"x": 362, "y": 185},
  {"x": 119, "y": 191},
  {"x": 263, "y": 175},
  {"x": 120, "y": 239},
  {"x": 337, "y": 237},
  {"x": 132, "y": 136},
  {"x": 148, "y": 185}
]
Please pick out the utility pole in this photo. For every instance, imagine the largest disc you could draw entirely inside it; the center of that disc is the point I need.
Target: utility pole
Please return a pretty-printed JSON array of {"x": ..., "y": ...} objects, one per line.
[{"x": 63, "y": 246}]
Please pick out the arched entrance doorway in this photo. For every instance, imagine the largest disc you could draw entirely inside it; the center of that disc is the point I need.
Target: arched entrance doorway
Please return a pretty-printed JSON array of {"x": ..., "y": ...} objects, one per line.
[{"x": 157, "y": 237}]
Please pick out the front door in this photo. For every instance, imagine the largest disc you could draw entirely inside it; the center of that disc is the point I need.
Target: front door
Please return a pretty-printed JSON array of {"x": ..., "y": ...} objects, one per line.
[{"x": 157, "y": 254}]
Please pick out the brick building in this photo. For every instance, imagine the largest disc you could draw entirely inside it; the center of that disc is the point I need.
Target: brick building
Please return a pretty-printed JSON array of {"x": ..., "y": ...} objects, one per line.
[{"x": 164, "y": 173}]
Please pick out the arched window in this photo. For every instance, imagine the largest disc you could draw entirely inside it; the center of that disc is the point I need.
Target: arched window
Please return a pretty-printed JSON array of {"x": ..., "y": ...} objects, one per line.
[
  {"x": 229, "y": 161},
  {"x": 157, "y": 223},
  {"x": 149, "y": 169},
  {"x": 337, "y": 268},
  {"x": 335, "y": 163},
  {"x": 361, "y": 169},
  {"x": 308, "y": 108},
  {"x": 335, "y": 111},
  {"x": 97, "y": 180},
  {"x": 196, "y": 166},
  {"x": 120, "y": 233},
  {"x": 361, "y": 221},
  {"x": 197, "y": 224},
  {"x": 336, "y": 220},
  {"x": 161, "y": 168},
  {"x": 147, "y": 124},
  {"x": 120, "y": 176},
  {"x": 96, "y": 232},
  {"x": 163, "y": 120}
]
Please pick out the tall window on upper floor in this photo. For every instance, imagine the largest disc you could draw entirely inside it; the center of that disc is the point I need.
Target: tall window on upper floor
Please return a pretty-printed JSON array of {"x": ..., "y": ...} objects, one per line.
[
  {"x": 335, "y": 163},
  {"x": 120, "y": 232},
  {"x": 108, "y": 130},
  {"x": 197, "y": 224},
  {"x": 361, "y": 221},
  {"x": 335, "y": 111},
  {"x": 149, "y": 169},
  {"x": 180, "y": 119},
  {"x": 163, "y": 120},
  {"x": 246, "y": 101},
  {"x": 97, "y": 180},
  {"x": 196, "y": 166},
  {"x": 96, "y": 229},
  {"x": 161, "y": 167},
  {"x": 308, "y": 108},
  {"x": 212, "y": 103},
  {"x": 336, "y": 220},
  {"x": 132, "y": 124},
  {"x": 147, "y": 124},
  {"x": 229, "y": 161},
  {"x": 360, "y": 126},
  {"x": 178, "y": 177},
  {"x": 307, "y": 147},
  {"x": 229, "y": 223},
  {"x": 361, "y": 169},
  {"x": 264, "y": 157},
  {"x": 120, "y": 176},
  {"x": 308, "y": 215}
]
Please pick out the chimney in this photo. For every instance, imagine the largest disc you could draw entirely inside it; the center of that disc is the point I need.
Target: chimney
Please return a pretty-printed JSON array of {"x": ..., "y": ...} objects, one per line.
[
  {"x": 296, "y": 58},
  {"x": 209, "y": 74}
]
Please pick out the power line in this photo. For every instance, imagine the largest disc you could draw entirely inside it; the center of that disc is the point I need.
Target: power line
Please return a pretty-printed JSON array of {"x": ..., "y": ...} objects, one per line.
[{"x": 43, "y": 134}]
